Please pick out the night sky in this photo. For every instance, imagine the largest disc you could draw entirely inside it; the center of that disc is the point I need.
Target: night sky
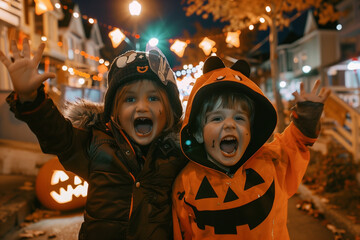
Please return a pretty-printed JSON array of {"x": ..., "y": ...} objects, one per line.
[{"x": 164, "y": 19}]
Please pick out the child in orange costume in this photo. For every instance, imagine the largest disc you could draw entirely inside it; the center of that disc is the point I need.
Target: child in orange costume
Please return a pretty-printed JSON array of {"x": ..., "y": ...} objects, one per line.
[{"x": 236, "y": 186}]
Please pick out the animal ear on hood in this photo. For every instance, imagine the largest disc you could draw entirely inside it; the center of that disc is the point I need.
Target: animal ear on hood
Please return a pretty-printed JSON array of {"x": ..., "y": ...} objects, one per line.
[
  {"x": 241, "y": 66},
  {"x": 212, "y": 63}
]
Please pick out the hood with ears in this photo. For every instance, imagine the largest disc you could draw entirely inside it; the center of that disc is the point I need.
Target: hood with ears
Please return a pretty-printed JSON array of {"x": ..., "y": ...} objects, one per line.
[{"x": 217, "y": 78}]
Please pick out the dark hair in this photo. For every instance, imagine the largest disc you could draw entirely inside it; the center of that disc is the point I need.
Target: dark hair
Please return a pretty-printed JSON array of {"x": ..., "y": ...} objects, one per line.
[{"x": 230, "y": 100}]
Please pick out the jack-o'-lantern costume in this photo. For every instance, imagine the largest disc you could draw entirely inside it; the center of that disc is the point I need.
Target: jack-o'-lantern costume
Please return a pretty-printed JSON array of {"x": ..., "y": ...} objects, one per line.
[{"x": 250, "y": 200}]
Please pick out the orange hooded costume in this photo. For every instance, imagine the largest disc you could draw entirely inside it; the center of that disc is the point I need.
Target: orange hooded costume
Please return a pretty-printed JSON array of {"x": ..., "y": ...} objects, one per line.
[{"x": 250, "y": 200}]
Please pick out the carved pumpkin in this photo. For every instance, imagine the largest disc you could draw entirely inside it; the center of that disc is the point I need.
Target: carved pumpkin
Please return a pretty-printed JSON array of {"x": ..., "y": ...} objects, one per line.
[{"x": 59, "y": 189}]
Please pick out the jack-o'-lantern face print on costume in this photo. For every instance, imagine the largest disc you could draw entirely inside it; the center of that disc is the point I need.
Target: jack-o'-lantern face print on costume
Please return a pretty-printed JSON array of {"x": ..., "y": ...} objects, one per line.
[{"x": 225, "y": 217}]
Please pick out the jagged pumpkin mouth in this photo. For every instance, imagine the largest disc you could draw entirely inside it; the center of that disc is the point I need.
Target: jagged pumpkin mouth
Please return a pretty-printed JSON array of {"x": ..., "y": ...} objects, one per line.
[
  {"x": 143, "y": 126},
  {"x": 229, "y": 145}
]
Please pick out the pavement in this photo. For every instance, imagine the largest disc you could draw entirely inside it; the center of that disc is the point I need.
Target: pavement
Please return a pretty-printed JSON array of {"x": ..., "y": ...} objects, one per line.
[
  {"x": 18, "y": 198},
  {"x": 334, "y": 216}
]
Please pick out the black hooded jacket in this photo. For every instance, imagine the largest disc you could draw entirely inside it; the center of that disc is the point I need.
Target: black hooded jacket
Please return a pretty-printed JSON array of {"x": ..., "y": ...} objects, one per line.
[{"x": 124, "y": 201}]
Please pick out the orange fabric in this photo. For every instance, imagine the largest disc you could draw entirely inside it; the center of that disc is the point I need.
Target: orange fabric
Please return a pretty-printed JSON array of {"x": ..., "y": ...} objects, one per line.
[
  {"x": 248, "y": 201},
  {"x": 237, "y": 213}
]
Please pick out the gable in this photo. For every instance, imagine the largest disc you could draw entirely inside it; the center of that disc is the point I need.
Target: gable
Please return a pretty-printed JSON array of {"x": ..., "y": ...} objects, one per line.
[
  {"x": 311, "y": 24},
  {"x": 75, "y": 25},
  {"x": 95, "y": 35},
  {"x": 57, "y": 11}
]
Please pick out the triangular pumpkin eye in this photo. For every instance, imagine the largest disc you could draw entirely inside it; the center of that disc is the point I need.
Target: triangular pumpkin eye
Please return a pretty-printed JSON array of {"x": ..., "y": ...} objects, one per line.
[
  {"x": 205, "y": 190},
  {"x": 77, "y": 180},
  {"x": 58, "y": 176},
  {"x": 252, "y": 178},
  {"x": 230, "y": 196}
]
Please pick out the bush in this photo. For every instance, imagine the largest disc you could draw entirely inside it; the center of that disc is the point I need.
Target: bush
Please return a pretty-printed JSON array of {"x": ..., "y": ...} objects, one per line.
[{"x": 333, "y": 176}]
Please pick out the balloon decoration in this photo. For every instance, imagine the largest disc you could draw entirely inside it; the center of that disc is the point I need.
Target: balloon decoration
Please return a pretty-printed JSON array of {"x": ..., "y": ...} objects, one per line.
[{"x": 59, "y": 189}]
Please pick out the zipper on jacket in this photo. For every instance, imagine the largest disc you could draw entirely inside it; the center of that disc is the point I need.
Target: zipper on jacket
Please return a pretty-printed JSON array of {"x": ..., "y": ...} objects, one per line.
[
  {"x": 231, "y": 175},
  {"x": 132, "y": 198}
]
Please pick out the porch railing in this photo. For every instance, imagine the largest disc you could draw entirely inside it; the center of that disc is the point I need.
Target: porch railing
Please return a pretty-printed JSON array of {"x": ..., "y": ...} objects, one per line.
[{"x": 343, "y": 109}]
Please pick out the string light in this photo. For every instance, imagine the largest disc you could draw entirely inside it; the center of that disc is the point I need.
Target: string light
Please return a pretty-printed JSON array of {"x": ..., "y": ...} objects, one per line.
[
  {"x": 178, "y": 47},
  {"x": 207, "y": 44},
  {"x": 116, "y": 37},
  {"x": 42, "y": 6},
  {"x": 73, "y": 71},
  {"x": 233, "y": 39},
  {"x": 76, "y": 15}
]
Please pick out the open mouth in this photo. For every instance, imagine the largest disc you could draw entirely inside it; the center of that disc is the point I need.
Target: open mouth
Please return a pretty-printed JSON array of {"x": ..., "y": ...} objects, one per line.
[
  {"x": 143, "y": 126},
  {"x": 229, "y": 145}
]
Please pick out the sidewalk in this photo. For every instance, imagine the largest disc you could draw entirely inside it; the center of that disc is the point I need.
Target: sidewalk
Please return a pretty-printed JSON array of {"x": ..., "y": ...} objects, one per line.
[
  {"x": 17, "y": 200},
  {"x": 333, "y": 216}
]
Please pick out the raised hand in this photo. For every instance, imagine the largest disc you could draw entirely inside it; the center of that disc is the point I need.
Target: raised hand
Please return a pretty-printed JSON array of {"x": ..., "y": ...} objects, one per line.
[
  {"x": 24, "y": 70},
  {"x": 312, "y": 96}
]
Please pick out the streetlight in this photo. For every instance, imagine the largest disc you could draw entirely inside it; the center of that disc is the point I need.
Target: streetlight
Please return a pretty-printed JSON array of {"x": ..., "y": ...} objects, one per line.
[
  {"x": 153, "y": 42},
  {"x": 135, "y": 10}
]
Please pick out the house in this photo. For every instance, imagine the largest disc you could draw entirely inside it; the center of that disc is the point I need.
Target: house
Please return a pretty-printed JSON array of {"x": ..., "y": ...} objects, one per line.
[
  {"x": 305, "y": 58},
  {"x": 345, "y": 72},
  {"x": 12, "y": 24},
  {"x": 68, "y": 46},
  {"x": 19, "y": 21},
  {"x": 82, "y": 43}
]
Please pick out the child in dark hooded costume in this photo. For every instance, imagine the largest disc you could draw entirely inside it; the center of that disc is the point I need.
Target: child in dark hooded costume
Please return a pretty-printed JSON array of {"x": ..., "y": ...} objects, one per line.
[
  {"x": 236, "y": 186},
  {"x": 127, "y": 153}
]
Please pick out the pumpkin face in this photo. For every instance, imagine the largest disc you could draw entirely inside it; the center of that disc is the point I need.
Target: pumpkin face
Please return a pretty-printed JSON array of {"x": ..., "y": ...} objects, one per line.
[
  {"x": 227, "y": 206},
  {"x": 59, "y": 189},
  {"x": 142, "y": 69}
]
